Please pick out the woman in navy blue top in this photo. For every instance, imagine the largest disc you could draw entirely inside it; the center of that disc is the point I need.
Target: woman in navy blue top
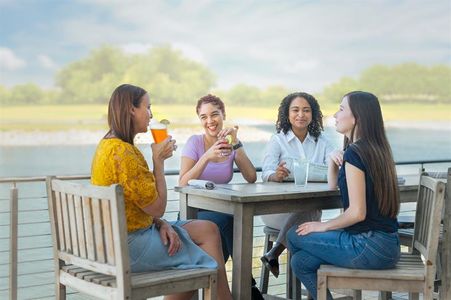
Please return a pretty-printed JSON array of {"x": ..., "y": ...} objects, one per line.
[{"x": 365, "y": 235}]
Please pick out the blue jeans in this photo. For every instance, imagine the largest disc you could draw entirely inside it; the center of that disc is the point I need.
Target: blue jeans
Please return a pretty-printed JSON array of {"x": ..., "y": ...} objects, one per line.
[
  {"x": 369, "y": 250},
  {"x": 225, "y": 225}
]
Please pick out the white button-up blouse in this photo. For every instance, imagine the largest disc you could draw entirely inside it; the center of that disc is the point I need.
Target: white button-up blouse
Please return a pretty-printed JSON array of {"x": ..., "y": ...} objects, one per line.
[{"x": 286, "y": 147}]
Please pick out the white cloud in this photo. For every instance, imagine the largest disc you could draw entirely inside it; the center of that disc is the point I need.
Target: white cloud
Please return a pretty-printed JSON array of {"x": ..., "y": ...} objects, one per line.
[
  {"x": 9, "y": 60},
  {"x": 46, "y": 62},
  {"x": 187, "y": 50},
  {"x": 136, "y": 48},
  {"x": 301, "y": 66},
  {"x": 191, "y": 52}
]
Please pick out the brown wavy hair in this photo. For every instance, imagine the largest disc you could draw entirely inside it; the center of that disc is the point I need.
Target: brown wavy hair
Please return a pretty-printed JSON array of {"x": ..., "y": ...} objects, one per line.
[
  {"x": 216, "y": 101},
  {"x": 119, "y": 111},
  {"x": 283, "y": 123},
  {"x": 373, "y": 148}
]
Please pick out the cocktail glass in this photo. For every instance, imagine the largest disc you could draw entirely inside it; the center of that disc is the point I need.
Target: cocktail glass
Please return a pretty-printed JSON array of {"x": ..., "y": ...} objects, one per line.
[{"x": 159, "y": 131}]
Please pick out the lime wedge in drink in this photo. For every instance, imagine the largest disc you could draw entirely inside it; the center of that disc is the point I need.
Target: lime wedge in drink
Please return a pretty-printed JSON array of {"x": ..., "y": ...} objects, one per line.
[{"x": 165, "y": 122}]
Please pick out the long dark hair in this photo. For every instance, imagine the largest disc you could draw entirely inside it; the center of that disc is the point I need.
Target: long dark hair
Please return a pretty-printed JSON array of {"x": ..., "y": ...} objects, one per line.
[
  {"x": 119, "y": 111},
  {"x": 283, "y": 123},
  {"x": 373, "y": 148}
]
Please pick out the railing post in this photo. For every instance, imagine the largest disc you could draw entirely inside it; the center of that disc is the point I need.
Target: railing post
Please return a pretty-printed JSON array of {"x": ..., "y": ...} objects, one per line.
[
  {"x": 13, "y": 243},
  {"x": 445, "y": 292}
]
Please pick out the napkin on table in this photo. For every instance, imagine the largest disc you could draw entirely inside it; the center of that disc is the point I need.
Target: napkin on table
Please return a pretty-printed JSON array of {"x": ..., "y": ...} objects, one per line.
[{"x": 202, "y": 184}]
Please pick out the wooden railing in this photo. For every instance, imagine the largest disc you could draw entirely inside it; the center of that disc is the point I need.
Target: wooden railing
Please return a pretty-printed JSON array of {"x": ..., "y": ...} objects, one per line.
[{"x": 14, "y": 224}]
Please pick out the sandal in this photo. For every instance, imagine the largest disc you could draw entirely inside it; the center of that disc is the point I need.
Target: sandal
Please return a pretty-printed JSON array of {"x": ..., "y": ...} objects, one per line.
[{"x": 272, "y": 265}]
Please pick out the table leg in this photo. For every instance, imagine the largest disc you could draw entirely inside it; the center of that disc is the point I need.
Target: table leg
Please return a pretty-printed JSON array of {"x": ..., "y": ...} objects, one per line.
[
  {"x": 243, "y": 225},
  {"x": 186, "y": 213}
]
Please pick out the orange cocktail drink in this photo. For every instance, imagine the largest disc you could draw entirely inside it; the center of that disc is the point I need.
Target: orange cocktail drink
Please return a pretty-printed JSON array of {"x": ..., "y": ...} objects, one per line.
[
  {"x": 159, "y": 134},
  {"x": 159, "y": 130}
]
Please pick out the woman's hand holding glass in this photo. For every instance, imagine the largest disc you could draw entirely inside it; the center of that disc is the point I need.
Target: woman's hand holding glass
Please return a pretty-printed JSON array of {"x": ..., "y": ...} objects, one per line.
[
  {"x": 163, "y": 150},
  {"x": 168, "y": 235},
  {"x": 233, "y": 132},
  {"x": 221, "y": 148}
]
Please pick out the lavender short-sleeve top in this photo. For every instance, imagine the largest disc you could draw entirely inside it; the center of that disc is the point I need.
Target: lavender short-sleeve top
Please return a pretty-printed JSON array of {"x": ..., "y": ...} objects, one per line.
[{"x": 218, "y": 172}]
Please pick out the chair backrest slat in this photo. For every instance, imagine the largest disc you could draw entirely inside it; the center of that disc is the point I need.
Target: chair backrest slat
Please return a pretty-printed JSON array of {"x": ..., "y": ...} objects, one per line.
[
  {"x": 80, "y": 226},
  {"x": 59, "y": 219},
  {"x": 108, "y": 230},
  {"x": 428, "y": 217},
  {"x": 98, "y": 230},
  {"x": 66, "y": 222},
  {"x": 73, "y": 224},
  {"x": 87, "y": 220}
]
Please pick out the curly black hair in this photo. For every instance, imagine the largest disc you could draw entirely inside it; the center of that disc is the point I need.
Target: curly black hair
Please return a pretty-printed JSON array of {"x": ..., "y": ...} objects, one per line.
[{"x": 283, "y": 123}]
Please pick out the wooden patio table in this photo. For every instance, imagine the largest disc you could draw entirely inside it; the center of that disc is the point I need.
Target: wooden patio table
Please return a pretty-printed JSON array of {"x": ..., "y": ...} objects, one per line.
[{"x": 244, "y": 201}]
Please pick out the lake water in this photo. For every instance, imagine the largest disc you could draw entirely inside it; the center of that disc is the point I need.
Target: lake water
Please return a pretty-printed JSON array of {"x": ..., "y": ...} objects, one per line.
[{"x": 408, "y": 144}]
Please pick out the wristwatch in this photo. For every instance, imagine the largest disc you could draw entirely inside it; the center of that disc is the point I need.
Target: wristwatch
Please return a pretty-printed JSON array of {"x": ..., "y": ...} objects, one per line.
[{"x": 237, "y": 146}]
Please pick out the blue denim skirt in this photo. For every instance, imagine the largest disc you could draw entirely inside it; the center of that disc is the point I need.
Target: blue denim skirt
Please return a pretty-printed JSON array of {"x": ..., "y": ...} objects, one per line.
[{"x": 147, "y": 252}]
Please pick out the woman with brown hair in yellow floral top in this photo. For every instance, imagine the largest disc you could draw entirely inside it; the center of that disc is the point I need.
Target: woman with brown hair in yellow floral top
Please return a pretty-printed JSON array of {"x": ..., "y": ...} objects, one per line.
[{"x": 154, "y": 244}]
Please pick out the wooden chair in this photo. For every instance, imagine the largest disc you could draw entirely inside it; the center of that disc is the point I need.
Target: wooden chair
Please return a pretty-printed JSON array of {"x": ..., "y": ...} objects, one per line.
[
  {"x": 406, "y": 233},
  {"x": 415, "y": 272},
  {"x": 89, "y": 238}
]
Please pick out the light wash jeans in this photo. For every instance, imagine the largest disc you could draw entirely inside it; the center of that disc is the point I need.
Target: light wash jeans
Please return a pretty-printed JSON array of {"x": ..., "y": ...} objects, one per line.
[
  {"x": 369, "y": 250},
  {"x": 283, "y": 222}
]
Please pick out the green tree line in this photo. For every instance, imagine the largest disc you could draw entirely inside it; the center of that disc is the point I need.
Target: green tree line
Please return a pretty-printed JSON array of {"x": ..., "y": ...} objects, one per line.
[{"x": 174, "y": 79}]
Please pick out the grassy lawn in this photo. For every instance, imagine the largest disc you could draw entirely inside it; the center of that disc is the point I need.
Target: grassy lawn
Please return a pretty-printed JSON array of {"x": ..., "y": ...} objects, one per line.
[{"x": 92, "y": 117}]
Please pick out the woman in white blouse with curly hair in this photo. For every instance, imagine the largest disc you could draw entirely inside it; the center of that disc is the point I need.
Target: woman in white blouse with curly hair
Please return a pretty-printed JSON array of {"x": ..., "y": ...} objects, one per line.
[{"x": 299, "y": 126}]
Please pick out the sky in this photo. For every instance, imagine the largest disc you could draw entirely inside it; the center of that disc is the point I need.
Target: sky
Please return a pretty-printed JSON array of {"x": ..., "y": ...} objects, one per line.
[{"x": 303, "y": 45}]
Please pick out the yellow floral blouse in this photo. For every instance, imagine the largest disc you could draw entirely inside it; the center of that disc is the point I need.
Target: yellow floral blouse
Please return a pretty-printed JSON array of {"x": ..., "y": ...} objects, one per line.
[{"x": 116, "y": 161}]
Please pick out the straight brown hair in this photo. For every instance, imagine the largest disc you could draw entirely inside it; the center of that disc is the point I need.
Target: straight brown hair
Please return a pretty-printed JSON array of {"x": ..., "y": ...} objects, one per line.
[
  {"x": 373, "y": 148},
  {"x": 119, "y": 111}
]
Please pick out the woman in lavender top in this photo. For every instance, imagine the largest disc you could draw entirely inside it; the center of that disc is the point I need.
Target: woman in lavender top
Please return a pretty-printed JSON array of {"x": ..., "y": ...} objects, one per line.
[{"x": 210, "y": 156}]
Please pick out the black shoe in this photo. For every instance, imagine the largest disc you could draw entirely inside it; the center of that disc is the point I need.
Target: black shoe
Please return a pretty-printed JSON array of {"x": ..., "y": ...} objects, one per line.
[
  {"x": 271, "y": 264},
  {"x": 256, "y": 294},
  {"x": 253, "y": 282}
]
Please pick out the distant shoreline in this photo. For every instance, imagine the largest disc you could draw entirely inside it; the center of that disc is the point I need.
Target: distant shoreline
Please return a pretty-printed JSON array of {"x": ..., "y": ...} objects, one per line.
[
  {"x": 435, "y": 125},
  {"x": 247, "y": 133},
  {"x": 432, "y": 125},
  {"x": 87, "y": 137}
]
